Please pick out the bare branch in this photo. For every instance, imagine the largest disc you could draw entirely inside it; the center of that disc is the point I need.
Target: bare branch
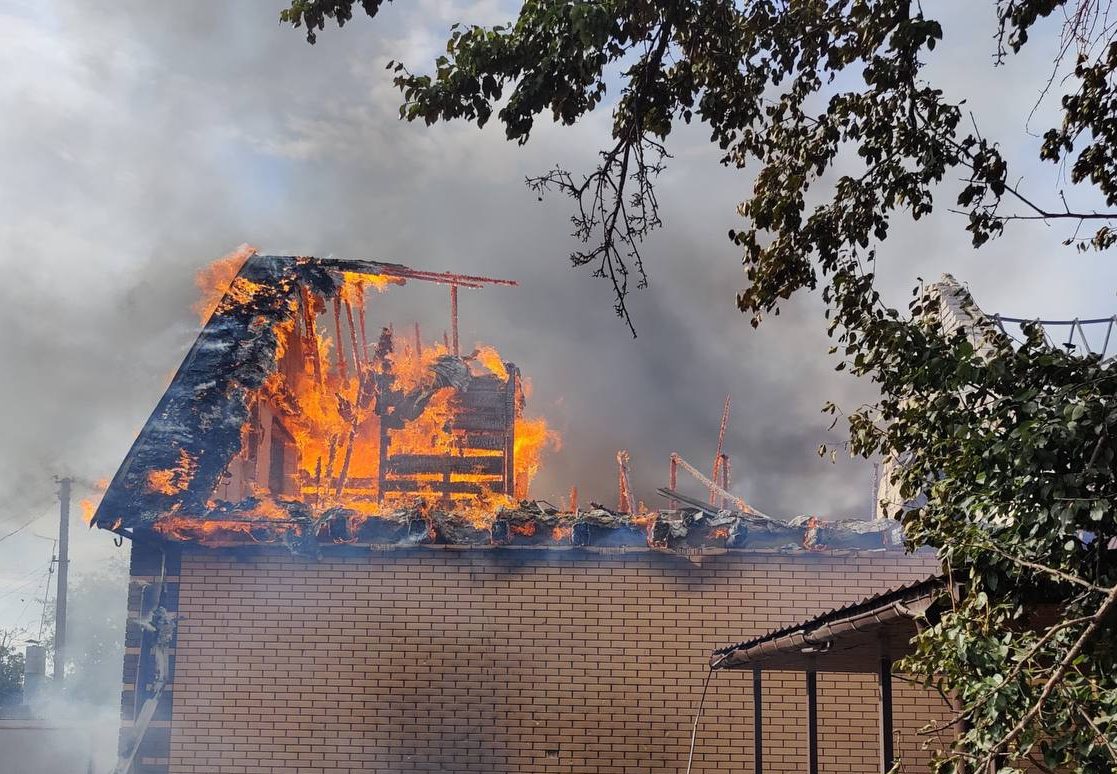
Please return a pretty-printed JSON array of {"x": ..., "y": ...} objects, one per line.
[{"x": 607, "y": 205}]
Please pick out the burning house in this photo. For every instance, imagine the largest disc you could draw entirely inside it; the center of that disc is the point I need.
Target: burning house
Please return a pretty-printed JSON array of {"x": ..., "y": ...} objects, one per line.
[{"x": 337, "y": 564}]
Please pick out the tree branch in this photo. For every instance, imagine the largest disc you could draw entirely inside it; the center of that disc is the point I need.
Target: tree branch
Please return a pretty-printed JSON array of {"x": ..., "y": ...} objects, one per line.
[
  {"x": 1049, "y": 570},
  {"x": 602, "y": 200},
  {"x": 1101, "y": 736},
  {"x": 1056, "y": 677}
]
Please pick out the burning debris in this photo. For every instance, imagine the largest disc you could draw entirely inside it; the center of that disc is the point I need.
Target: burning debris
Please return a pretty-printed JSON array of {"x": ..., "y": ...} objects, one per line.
[
  {"x": 286, "y": 409},
  {"x": 536, "y": 524},
  {"x": 289, "y": 422}
]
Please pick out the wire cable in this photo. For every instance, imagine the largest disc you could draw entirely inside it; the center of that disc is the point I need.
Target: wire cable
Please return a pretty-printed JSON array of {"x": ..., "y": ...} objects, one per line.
[
  {"x": 46, "y": 591},
  {"x": 30, "y": 600},
  {"x": 30, "y": 578},
  {"x": 21, "y": 527},
  {"x": 697, "y": 717}
]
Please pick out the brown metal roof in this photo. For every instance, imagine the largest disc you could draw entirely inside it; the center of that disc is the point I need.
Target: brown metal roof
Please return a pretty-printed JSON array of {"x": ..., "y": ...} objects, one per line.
[{"x": 852, "y": 638}]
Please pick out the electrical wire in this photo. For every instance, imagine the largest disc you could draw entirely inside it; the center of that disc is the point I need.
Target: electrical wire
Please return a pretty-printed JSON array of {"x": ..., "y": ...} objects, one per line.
[
  {"x": 46, "y": 591},
  {"x": 28, "y": 585},
  {"x": 697, "y": 717},
  {"x": 29, "y": 602},
  {"x": 20, "y": 528},
  {"x": 28, "y": 579}
]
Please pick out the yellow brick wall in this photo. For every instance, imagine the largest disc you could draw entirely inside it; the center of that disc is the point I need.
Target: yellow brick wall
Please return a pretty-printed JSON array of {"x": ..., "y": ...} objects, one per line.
[{"x": 513, "y": 661}]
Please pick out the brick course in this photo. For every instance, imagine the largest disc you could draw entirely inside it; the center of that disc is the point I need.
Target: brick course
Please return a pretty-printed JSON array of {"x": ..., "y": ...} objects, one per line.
[{"x": 513, "y": 661}]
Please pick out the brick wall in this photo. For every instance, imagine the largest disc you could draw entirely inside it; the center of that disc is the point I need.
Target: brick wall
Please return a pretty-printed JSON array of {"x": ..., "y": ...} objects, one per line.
[{"x": 512, "y": 661}]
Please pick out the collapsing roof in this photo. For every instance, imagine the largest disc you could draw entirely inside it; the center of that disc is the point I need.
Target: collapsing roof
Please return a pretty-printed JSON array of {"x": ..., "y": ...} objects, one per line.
[
  {"x": 203, "y": 420},
  {"x": 230, "y": 457}
]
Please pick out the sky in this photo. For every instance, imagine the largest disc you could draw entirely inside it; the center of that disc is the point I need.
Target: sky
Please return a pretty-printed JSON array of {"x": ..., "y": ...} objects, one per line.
[{"x": 143, "y": 140}]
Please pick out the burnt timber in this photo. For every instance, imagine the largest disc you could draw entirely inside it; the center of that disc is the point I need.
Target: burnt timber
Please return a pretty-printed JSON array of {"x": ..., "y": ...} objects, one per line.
[{"x": 202, "y": 416}]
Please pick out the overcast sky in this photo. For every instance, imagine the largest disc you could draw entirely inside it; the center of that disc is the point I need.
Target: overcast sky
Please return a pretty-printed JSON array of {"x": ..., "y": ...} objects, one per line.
[{"x": 142, "y": 140}]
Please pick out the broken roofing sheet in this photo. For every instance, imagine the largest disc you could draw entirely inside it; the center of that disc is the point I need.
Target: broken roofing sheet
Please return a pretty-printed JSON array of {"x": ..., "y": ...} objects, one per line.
[{"x": 286, "y": 426}]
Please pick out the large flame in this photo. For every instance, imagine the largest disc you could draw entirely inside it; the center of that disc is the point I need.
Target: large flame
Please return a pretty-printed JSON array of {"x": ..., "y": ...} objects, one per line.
[
  {"x": 344, "y": 400},
  {"x": 216, "y": 279},
  {"x": 173, "y": 480},
  {"x": 89, "y": 505}
]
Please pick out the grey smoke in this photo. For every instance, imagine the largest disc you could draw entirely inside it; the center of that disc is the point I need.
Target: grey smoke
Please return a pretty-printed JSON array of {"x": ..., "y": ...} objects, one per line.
[{"x": 143, "y": 140}]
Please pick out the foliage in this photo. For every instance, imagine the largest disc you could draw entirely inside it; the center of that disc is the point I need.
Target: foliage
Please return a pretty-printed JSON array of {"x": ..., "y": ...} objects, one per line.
[
  {"x": 11, "y": 670},
  {"x": 1009, "y": 447}
]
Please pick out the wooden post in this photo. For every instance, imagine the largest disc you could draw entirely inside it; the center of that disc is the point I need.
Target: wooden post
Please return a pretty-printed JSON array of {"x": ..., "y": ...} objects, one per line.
[
  {"x": 311, "y": 333},
  {"x": 887, "y": 753},
  {"x": 382, "y": 459},
  {"x": 757, "y": 722},
  {"x": 361, "y": 317},
  {"x": 812, "y": 722},
  {"x": 353, "y": 338},
  {"x": 725, "y": 479},
  {"x": 673, "y": 479},
  {"x": 511, "y": 387},
  {"x": 339, "y": 349},
  {"x": 961, "y": 726},
  {"x": 454, "y": 317}
]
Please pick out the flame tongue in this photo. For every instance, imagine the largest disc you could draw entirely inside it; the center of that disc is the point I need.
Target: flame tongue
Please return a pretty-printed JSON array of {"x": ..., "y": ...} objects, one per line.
[
  {"x": 217, "y": 279},
  {"x": 355, "y": 421},
  {"x": 172, "y": 481}
]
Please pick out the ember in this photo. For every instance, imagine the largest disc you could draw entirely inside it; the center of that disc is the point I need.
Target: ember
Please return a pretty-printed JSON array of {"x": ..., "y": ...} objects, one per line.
[{"x": 527, "y": 529}]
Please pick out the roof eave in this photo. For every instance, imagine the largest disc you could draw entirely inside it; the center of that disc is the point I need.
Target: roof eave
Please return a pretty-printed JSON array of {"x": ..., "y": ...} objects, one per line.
[{"x": 816, "y": 636}]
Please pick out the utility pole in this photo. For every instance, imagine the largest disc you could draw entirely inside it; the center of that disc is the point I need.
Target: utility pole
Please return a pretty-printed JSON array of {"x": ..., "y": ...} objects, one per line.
[{"x": 63, "y": 567}]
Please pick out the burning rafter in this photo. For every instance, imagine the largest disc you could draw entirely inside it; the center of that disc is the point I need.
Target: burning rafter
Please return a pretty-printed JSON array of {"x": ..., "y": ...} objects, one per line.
[
  {"x": 283, "y": 406},
  {"x": 455, "y": 281},
  {"x": 288, "y": 423}
]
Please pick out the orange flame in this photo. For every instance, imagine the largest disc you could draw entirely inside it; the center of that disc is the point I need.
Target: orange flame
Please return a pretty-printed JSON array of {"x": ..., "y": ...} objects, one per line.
[
  {"x": 217, "y": 278},
  {"x": 525, "y": 529},
  {"x": 491, "y": 359},
  {"x": 172, "y": 481},
  {"x": 347, "y": 396},
  {"x": 533, "y": 438},
  {"x": 89, "y": 505}
]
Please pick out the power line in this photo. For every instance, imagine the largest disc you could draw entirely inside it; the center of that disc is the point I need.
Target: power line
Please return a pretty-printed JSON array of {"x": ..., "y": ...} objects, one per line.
[
  {"x": 27, "y": 604},
  {"x": 22, "y": 527},
  {"x": 29, "y": 578},
  {"x": 46, "y": 591}
]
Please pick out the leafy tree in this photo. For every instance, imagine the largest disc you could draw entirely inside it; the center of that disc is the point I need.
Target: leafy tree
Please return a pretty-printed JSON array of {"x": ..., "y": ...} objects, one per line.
[
  {"x": 1008, "y": 447},
  {"x": 11, "y": 670}
]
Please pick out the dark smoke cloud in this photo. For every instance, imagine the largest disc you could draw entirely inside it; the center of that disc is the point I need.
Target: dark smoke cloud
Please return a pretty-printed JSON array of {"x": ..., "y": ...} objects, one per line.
[{"x": 143, "y": 140}]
